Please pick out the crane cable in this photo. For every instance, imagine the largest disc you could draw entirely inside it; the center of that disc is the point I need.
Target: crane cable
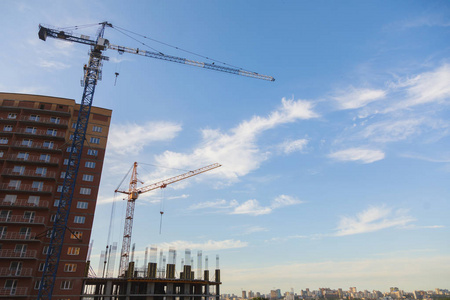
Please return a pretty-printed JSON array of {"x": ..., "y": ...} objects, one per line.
[{"x": 174, "y": 47}]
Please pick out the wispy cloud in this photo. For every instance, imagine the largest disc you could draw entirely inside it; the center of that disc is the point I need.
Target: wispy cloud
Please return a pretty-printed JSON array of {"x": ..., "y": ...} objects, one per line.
[
  {"x": 293, "y": 146},
  {"x": 356, "y": 98},
  {"x": 208, "y": 245},
  {"x": 249, "y": 207},
  {"x": 362, "y": 155},
  {"x": 372, "y": 219},
  {"x": 428, "y": 87},
  {"x": 131, "y": 138},
  {"x": 238, "y": 150},
  {"x": 254, "y": 229}
]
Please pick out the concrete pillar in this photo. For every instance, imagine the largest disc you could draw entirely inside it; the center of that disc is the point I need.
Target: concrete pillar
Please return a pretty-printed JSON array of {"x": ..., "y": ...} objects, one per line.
[
  {"x": 108, "y": 290},
  {"x": 150, "y": 290}
]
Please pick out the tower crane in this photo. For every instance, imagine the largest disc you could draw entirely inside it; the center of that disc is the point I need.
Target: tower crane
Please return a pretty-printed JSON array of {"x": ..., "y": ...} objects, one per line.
[
  {"x": 92, "y": 74},
  {"x": 133, "y": 193}
]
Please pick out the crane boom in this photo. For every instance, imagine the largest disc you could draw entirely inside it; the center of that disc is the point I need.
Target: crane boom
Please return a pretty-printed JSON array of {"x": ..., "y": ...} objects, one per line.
[
  {"x": 44, "y": 32},
  {"x": 133, "y": 193}
]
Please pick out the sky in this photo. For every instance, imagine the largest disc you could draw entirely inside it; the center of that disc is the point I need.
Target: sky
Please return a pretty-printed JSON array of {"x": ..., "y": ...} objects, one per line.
[{"x": 334, "y": 175}]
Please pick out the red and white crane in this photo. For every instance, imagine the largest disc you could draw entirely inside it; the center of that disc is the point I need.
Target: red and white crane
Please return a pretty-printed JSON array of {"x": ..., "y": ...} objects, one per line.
[{"x": 133, "y": 193}]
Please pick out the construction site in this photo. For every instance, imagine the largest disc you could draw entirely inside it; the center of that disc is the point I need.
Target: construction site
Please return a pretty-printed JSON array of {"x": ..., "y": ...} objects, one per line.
[{"x": 48, "y": 195}]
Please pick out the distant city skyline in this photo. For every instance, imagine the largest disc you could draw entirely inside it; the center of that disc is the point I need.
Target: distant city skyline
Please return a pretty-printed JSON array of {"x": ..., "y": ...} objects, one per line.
[{"x": 336, "y": 174}]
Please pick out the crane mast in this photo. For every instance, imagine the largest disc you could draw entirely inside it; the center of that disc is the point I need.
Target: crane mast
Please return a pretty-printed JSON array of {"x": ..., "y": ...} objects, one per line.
[
  {"x": 92, "y": 75},
  {"x": 133, "y": 193}
]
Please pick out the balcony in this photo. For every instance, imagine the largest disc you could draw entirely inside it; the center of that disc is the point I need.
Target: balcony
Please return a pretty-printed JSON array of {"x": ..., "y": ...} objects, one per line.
[
  {"x": 10, "y": 253},
  {"x": 33, "y": 159},
  {"x": 23, "y": 203},
  {"x": 20, "y": 291},
  {"x": 27, "y": 188},
  {"x": 41, "y": 133},
  {"x": 45, "y": 121},
  {"x": 29, "y": 173},
  {"x": 21, "y": 220},
  {"x": 35, "y": 146},
  {"x": 22, "y": 272},
  {"x": 17, "y": 236}
]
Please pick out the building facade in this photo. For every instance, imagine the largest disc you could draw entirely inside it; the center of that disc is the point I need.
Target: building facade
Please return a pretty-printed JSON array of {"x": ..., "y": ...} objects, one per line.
[{"x": 35, "y": 140}]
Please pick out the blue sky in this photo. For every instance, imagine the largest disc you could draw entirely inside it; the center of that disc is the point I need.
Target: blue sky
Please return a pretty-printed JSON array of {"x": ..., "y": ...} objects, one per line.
[{"x": 334, "y": 175}]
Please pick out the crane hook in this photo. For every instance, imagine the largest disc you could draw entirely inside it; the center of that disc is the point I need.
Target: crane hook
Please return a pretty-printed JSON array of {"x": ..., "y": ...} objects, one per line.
[{"x": 117, "y": 74}]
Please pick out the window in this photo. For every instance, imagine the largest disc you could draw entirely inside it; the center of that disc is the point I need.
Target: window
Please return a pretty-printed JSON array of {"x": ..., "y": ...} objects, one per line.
[
  {"x": 44, "y": 157},
  {"x": 97, "y": 128},
  {"x": 27, "y": 142},
  {"x": 66, "y": 285},
  {"x": 12, "y": 116},
  {"x": 48, "y": 144},
  {"x": 59, "y": 188},
  {"x": 11, "y": 284},
  {"x": 52, "y": 218},
  {"x": 34, "y": 118},
  {"x": 41, "y": 171},
  {"x": 70, "y": 267},
  {"x": 10, "y": 198},
  {"x": 5, "y": 215},
  {"x": 7, "y": 128},
  {"x": 3, "y": 140},
  {"x": 73, "y": 250},
  {"x": 90, "y": 164},
  {"x": 37, "y": 283},
  {"x": 46, "y": 250},
  {"x": 63, "y": 174},
  {"x": 92, "y": 152},
  {"x": 56, "y": 203},
  {"x": 3, "y": 230},
  {"x": 52, "y": 132},
  {"x": 22, "y": 155},
  {"x": 38, "y": 185},
  {"x": 25, "y": 232},
  {"x": 30, "y": 130},
  {"x": 87, "y": 177},
  {"x": 66, "y": 162},
  {"x": 70, "y": 149},
  {"x": 49, "y": 234},
  {"x": 76, "y": 235},
  {"x": 74, "y": 125},
  {"x": 1, "y": 153},
  {"x": 18, "y": 169},
  {"x": 82, "y": 205},
  {"x": 33, "y": 200},
  {"x": 95, "y": 140},
  {"x": 71, "y": 137},
  {"x": 79, "y": 219},
  {"x": 85, "y": 191},
  {"x": 29, "y": 215},
  {"x": 41, "y": 266},
  {"x": 15, "y": 184},
  {"x": 54, "y": 120},
  {"x": 20, "y": 248}
]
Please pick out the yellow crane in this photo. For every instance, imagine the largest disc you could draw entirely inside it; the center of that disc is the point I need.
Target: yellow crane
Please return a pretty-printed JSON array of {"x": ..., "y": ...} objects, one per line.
[{"x": 133, "y": 193}]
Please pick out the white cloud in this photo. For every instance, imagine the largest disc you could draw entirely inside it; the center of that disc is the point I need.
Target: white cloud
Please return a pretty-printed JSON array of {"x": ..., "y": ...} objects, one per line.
[
  {"x": 293, "y": 146},
  {"x": 251, "y": 207},
  {"x": 125, "y": 139},
  {"x": 55, "y": 65},
  {"x": 237, "y": 150},
  {"x": 356, "y": 98},
  {"x": 209, "y": 245},
  {"x": 428, "y": 87},
  {"x": 358, "y": 154},
  {"x": 390, "y": 131},
  {"x": 254, "y": 229},
  {"x": 372, "y": 219},
  {"x": 284, "y": 200}
]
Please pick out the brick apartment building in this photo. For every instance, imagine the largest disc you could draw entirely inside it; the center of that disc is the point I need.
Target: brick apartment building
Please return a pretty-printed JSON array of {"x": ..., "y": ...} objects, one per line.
[{"x": 35, "y": 134}]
